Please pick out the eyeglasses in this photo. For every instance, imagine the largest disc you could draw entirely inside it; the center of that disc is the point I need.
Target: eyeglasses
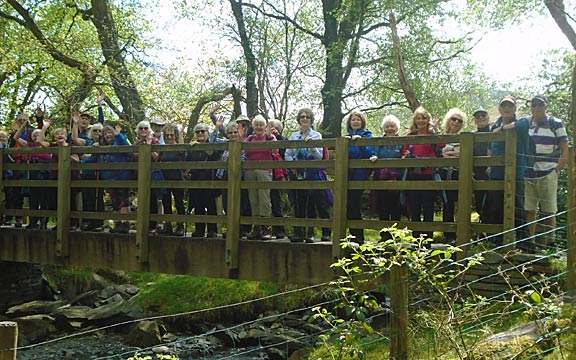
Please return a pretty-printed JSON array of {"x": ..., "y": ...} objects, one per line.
[
  {"x": 537, "y": 104},
  {"x": 143, "y": 128},
  {"x": 457, "y": 119},
  {"x": 303, "y": 117},
  {"x": 199, "y": 131}
]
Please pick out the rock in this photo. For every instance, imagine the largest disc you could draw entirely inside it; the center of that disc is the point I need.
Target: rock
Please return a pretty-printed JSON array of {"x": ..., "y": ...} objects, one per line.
[
  {"x": 34, "y": 307},
  {"x": 34, "y": 328},
  {"x": 276, "y": 354},
  {"x": 88, "y": 298},
  {"x": 71, "y": 318},
  {"x": 226, "y": 336},
  {"x": 113, "y": 291},
  {"x": 532, "y": 330},
  {"x": 300, "y": 354},
  {"x": 144, "y": 334},
  {"x": 161, "y": 350},
  {"x": 114, "y": 312}
]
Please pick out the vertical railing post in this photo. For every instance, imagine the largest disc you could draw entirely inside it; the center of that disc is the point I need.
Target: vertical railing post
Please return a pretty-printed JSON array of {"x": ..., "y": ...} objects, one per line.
[
  {"x": 8, "y": 340},
  {"x": 399, "y": 312},
  {"x": 510, "y": 187},
  {"x": 339, "y": 219},
  {"x": 465, "y": 185},
  {"x": 571, "y": 221},
  {"x": 234, "y": 190},
  {"x": 63, "y": 206},
  {"x": 143, "y": 210}
]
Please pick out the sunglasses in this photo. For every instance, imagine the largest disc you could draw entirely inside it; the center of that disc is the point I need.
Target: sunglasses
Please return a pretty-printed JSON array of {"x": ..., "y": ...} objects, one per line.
[
  {"x": 143, "y": 128},
  {"x": 169, "y": 135},
  {"x": 303, "y": 117},
  {"x": 457, "y": 119},
  {"x": 199, "y": 131},
  {"x": 537, "y": 104},
  {"x": 96, "y": 130},
  {"x": 233, "y": 132}
]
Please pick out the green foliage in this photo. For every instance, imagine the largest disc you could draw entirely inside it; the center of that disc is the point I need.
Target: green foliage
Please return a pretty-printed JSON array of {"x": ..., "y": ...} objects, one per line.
[
  {"x": 365, "y": 267},
  {"x": 180, "y": 294}
]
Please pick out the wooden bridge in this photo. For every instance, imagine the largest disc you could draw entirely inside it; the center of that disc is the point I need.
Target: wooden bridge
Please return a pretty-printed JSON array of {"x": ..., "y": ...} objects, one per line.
[{"x": 275, "y": 260}]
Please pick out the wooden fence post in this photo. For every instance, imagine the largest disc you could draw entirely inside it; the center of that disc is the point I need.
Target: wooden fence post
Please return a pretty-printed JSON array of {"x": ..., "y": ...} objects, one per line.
[
  {"x": 571, "y": 232},
  {"x": 143, "y": 210},
  {"x": 8, "y": 340},
  {"x": 63, "y": 206},
  {"x": 339, "y": 219},
  {"x": 465, "y": 182},
  {"x": 510, "y": 187},
  {"x": 233, "y": 205},
  {"x": 399, "y": 312}
]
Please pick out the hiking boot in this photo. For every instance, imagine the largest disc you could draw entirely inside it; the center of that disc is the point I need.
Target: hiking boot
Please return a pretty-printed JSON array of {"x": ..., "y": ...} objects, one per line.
[
  {"x": 179, "y": 230},
  {"x": 256, "y": 233}
]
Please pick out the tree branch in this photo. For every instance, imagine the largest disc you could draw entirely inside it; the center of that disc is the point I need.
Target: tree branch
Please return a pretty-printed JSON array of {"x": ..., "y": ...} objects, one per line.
[{"x": 556, "y": 8}]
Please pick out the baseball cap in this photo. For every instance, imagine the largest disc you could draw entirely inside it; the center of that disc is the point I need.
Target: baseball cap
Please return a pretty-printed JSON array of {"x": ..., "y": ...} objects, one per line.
[
  {"x": 507, "y": 98},
  {"x": 540, "y": 98},
  {"x": 480, "y": 111}
]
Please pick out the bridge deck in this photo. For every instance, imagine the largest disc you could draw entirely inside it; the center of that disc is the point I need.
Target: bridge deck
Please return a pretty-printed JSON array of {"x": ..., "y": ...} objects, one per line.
[{"x": 273, "y": 260}]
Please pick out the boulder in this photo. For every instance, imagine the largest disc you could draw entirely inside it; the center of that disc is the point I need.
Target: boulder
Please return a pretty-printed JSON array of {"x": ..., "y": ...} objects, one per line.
[
  {"x": 144, "y": 334},
  {"x": 88, "y": 298},
  {"x": 70, "y": 318},
  {"x": 34, "y": 328},
  {"x": 114, "y": 312},
  {"x": 34, "y": 307}
]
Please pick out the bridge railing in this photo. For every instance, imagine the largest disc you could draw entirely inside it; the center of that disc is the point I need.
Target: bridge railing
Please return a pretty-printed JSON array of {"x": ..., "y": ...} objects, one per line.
[{"x": 338, "y": 166}]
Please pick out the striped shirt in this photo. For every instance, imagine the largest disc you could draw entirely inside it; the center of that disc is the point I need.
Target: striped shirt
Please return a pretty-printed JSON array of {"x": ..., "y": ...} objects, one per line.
[{"x": 546, "y": 139}]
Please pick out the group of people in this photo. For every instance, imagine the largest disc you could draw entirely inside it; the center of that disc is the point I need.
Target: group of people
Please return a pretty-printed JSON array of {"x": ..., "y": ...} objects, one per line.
[{"x": 542, "y": 151}]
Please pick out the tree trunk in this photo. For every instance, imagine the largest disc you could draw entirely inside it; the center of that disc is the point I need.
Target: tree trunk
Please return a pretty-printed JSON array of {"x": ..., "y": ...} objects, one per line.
[
  {"x": 404, "y": 84},
  {"x": 251, "y": 67},
  {"x": 122, "y": 82},
  {"x": 333, "y": 87}
]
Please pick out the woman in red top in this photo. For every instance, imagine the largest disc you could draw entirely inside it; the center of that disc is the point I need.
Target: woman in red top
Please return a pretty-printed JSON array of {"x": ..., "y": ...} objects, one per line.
[
  {"x": 421, "y": 202},
  {"x": 259, "y": 198},
  {"x": 39, "y": 196}
]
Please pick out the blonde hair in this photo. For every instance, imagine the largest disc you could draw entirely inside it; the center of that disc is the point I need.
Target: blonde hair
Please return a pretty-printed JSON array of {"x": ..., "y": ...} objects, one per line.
[
  {"x": 420, "y": 111},
  {"x": 454, "y": 112}
]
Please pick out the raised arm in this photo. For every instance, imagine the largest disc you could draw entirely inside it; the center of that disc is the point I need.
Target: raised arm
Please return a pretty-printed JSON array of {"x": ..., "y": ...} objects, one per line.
[
  {"x": 74, "y": 132},
  {"x": 19, "y": 132}
]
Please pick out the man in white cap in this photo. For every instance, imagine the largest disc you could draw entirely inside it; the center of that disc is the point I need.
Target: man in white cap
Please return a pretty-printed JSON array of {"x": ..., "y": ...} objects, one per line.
[
  {"x": 157, "y": 124},
  {"x": 548, "y": 156},
  {"x": 506, "y": 121}
]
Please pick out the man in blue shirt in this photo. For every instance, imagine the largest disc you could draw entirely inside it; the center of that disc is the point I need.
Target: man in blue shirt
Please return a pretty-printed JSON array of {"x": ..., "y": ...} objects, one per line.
[{"x": 508, "y": 121}]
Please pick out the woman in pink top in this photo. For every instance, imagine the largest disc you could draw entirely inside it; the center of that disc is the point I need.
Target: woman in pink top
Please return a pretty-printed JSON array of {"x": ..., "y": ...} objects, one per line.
[
  {"x": 39, "y": 196},
  {"x": 259, "y": 198},
  {"x": 421, "y": 202}
]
